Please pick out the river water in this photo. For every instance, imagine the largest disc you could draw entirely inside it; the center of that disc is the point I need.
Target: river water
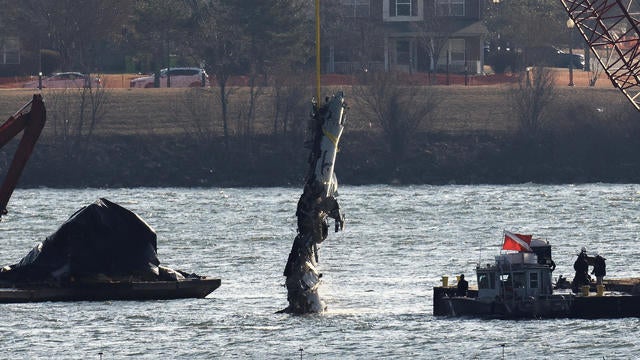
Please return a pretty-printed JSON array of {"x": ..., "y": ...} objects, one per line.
[{"x": 378, "y": 274}]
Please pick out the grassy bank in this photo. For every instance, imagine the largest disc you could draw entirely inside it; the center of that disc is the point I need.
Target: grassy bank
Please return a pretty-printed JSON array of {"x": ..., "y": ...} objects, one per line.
[
  {"x": 171, "y": 137},
  {"x": 462, "y": 109}
]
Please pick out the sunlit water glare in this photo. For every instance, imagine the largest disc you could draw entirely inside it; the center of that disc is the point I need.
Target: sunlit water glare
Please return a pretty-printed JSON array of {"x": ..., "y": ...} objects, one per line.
[{"x": 378, "y": 274}]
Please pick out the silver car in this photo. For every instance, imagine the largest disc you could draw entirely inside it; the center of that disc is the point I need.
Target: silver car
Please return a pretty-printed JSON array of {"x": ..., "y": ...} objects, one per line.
[
  {"x": 180, "y": 77},
  {"x": 64, "y": 80}
]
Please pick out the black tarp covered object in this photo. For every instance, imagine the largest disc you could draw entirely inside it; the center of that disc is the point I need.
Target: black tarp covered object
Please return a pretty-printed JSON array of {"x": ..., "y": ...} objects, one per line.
[{"x": 101, "y": 239}]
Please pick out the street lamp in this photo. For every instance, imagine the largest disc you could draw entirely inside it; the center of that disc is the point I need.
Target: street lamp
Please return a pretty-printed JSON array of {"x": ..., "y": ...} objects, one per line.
[
  {"x": 497, "y": 14},
  {"x": 570, "y": 26}
]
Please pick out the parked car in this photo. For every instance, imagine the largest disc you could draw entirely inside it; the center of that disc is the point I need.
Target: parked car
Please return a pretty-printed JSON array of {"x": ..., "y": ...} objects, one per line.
[
  {"x": 554, "y": 57},
  {"x": 563, "y": 60},
  {"x": 64, "y": 80},
  {"x": 180, "y": 77}
]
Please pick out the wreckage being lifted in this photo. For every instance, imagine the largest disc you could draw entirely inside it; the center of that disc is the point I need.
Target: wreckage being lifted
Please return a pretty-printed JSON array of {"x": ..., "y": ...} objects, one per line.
[
  {"x": 103, "y": 252},
  {"x": 316, "y": 204}
]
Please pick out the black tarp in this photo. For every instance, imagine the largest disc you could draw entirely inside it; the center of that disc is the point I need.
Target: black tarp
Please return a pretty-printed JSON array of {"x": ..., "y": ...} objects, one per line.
[{"x": 102, "y": 239}]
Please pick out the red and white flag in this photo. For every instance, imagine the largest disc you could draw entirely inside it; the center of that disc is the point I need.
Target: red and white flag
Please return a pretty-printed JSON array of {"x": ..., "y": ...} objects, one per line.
[{"x": 517, "y": 242}]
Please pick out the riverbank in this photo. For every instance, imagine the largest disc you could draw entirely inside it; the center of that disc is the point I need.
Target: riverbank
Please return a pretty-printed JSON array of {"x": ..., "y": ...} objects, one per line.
[{"x": 154, "y": 137}]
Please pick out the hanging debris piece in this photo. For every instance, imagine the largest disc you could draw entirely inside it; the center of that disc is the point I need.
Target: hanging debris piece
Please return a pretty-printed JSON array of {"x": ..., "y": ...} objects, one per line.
[{"x": 317, "y": 203}]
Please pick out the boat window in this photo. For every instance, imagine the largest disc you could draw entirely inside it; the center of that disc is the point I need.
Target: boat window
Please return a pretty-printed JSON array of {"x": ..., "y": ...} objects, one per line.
[
  {"x": 487, "y": 280},
  {"x": 483, "y": 281},
  {"x": 518, "y": 280},
  {"x": 533, "y": 280}
]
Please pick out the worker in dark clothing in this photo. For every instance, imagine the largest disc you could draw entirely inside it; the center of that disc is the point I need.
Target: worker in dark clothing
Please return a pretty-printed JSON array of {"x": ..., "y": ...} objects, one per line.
[
  {"x": 599, "y": 268},
  {"x": 581, "y": 266},
  {"x": 463, "y": 286}
]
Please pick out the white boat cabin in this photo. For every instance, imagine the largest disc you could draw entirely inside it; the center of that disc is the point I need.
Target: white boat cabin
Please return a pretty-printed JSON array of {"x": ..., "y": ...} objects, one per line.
[{"x": 515, "y": 276}]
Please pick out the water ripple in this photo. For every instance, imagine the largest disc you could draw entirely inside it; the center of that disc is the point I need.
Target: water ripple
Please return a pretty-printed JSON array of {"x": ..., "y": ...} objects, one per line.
[{"x": 378, "y": 273}]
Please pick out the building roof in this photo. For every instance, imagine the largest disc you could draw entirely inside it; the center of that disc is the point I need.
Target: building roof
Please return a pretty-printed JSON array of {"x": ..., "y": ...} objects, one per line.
[{"x": 453, "y": 28}]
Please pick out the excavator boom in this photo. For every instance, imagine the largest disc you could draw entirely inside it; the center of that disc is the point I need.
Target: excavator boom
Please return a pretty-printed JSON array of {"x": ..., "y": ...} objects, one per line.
[{"x": 32, "y": 122}]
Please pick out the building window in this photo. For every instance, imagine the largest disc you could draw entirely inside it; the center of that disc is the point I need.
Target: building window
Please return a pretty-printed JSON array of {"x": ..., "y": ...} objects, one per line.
[
  {"x": 9, "y": 51},
  {"x": 455, "y": 52},
  {"x": 403, "y": 7},
  {"x": 356, "y": 8},
  {"x": 450, "y": 7}
]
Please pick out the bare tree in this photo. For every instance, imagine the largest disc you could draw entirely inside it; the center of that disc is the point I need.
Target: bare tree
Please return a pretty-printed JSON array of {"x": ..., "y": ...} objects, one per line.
[
  {"x": 162, "y": 26},
  {"x": 219, "y": 42},
  {"x": 201, "y": 118},
  {"x": 247, "y": 37},
  {"x": 75, "y": 29},
  {"x": 530, "y": 98},
  {"x": 434, "y": 34},
  {"x": 399, "y": 108},
  {"x": 256, "y": 89},
  {"x": 288, "y": 105},
  {"x": 76, "y": 113},
  {"x": 270, "y": 40},
  {"x": 350, "y": 35}
]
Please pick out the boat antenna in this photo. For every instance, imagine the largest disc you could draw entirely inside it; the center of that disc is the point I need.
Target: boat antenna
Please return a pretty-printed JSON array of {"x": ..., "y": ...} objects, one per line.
[{"x": 318, "y": 51}]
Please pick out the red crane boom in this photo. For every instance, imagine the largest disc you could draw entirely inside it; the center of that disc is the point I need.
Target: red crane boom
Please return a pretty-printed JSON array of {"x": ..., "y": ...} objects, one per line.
[{"x": 32, "y": 123}]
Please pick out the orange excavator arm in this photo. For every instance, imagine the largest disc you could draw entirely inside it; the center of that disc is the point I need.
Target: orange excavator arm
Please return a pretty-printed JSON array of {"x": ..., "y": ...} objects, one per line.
[{"x": 32, "y": 123}]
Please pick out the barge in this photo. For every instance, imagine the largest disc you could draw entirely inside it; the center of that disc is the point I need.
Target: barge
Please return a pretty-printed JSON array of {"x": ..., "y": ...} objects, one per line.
[
  {"x": 102, "y": 252},
  {"x": 518, "y": 284},
  {"x": 110, "y": 290}
]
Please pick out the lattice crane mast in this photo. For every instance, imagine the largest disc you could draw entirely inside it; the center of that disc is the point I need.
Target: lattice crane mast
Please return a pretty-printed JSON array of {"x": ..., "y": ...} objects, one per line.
[{"x": 610, "y": 28}]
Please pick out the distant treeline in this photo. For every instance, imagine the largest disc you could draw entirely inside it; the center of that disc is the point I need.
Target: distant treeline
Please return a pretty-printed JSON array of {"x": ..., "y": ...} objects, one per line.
[
  {"x": 394, "y": 134},
  {"x": 590, "y": 155}
]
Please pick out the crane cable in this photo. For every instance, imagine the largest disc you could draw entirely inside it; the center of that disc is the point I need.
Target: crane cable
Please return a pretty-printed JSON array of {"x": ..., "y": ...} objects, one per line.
[{"x": 318, "y": 51}]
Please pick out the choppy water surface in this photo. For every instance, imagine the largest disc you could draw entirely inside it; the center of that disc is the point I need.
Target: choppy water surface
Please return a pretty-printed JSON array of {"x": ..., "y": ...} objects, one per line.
[{"x": 378, "y": 274}]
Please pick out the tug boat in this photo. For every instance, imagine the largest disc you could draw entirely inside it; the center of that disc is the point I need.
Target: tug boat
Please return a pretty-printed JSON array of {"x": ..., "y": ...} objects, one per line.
[{"x": 518, "y": 284}]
